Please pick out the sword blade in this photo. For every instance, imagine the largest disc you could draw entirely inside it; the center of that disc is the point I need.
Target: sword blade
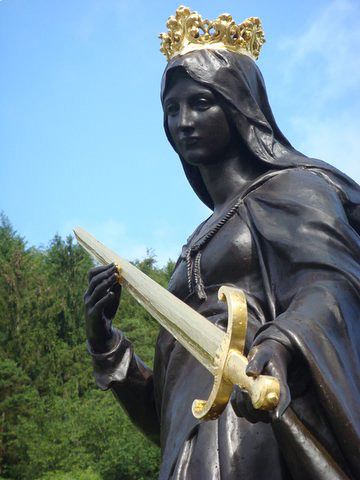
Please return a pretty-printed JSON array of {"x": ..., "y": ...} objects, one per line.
[{"x": 195, "y": 333}]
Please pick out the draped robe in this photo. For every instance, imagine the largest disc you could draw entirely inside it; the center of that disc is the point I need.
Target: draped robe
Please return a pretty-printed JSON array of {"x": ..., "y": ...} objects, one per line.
[
  {"x": 293, "y": 251},
  {"x": 293, "y": 247}
]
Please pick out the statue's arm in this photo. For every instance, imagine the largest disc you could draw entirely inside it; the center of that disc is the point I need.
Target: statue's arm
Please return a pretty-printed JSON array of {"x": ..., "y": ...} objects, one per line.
[
  {"x": 309, "y": 252},
  {"x": 131, "y": 382},
  {"x": 115, "y": 364},
  {"x": 310, "y": 258}
]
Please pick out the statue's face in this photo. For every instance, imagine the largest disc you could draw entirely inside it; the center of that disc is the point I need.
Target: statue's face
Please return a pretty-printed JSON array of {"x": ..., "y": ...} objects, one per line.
[{"x": 197, "y": 122}]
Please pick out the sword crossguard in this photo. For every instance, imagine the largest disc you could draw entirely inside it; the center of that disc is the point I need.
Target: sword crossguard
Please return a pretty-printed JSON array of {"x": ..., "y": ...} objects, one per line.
[{"x": 231, "y": 364}]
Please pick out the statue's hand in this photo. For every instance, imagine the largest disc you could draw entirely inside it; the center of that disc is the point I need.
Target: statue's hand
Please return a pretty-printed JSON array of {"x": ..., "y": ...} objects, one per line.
[
  {"x": 101, "y": 303},
  {"x": 268, "y": 358}
]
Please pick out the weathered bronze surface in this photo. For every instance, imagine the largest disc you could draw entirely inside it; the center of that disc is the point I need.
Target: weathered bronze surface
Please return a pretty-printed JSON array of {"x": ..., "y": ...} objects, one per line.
[
  {"x": 285, "y": 230},
  {"x": 220, "y": 353}
]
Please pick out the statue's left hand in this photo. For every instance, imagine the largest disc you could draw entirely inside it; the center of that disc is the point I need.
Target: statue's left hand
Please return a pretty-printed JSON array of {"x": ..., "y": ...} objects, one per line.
[{"x": 268, "y": 358}]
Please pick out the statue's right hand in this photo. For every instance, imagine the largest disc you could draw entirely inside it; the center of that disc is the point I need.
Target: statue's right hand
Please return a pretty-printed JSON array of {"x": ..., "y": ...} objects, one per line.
[{"x": 101, "y": 303}]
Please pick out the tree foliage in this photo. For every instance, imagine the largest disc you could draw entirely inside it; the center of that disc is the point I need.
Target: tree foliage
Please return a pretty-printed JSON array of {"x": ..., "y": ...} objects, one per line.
[{"x": 54, "y": 423}]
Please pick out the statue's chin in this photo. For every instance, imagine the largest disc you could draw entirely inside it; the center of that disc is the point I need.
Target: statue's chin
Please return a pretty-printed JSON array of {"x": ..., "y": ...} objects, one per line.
[{"x": 198, "y": 157}]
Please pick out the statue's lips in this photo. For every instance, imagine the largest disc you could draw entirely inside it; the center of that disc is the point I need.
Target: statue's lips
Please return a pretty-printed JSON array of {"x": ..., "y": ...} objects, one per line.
[{"x": 189, "y": 141}]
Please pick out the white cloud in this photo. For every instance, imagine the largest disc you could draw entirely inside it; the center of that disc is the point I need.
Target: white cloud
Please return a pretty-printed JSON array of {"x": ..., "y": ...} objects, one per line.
[
  {"x": 330, "y": 42},
  {"x": 335, "y": 140},
  {"x": 323, "y": 66}
]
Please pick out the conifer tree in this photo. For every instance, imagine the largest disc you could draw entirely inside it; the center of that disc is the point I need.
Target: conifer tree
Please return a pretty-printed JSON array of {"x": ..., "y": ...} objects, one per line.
[{"x": 54, "y": 423}]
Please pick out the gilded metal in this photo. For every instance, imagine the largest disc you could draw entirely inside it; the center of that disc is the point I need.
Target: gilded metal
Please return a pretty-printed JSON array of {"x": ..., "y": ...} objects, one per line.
[
  {"x": 220, "y": 353},
  {"x": 264, "y": 390},
  {"x": 188, "y": 31}
]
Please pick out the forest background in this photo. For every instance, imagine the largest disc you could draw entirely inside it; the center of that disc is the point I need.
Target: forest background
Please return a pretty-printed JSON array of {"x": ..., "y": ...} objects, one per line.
[{"x": 54, "y": 423}]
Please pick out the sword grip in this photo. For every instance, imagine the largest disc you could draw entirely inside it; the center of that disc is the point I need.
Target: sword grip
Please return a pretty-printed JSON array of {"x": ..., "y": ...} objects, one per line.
[
  {"x": 231, "y": 365},
  {"x": 264, "y": 390}
]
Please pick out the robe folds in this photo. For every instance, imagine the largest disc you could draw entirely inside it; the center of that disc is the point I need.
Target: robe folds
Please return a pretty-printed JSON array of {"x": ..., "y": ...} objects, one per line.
[{"x": 294, "y": 250}]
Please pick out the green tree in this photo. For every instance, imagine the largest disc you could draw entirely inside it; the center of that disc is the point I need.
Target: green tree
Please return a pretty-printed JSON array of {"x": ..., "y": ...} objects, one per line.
[
  {"x": 18, "y": 401},
  {"x": 54, "y": 423},
  {"x": 87, "y": 474}
]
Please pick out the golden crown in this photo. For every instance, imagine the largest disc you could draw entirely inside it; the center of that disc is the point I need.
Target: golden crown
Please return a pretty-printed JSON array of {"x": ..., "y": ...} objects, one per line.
[{"x": 188, "y": 31}]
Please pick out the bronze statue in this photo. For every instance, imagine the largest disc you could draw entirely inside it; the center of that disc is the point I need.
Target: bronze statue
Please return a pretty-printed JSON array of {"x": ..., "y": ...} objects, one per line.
[{"x": 284, "y": 229}]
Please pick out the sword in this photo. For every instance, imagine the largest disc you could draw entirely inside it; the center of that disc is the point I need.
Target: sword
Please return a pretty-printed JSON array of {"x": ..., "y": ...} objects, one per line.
[{"x": 221, "y": 353}]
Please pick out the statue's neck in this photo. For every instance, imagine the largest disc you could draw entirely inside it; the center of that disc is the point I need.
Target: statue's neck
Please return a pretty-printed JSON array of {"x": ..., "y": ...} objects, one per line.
[{"x": 226, "y": 179}]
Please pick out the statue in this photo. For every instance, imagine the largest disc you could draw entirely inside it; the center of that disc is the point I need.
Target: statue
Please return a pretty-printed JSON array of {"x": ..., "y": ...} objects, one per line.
[{"x": 284, "y": 229}]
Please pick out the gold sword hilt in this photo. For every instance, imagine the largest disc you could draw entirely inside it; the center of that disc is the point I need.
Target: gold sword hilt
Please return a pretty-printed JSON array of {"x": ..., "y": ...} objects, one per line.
[{"x": 231, "y": 364}]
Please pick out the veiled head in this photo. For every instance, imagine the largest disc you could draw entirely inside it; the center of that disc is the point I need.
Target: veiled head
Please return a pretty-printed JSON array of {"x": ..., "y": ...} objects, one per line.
[
  {"x": 197, "y": 121},
  {"x": 237, "y": 81},
  {"x": 238, "y": 86}
]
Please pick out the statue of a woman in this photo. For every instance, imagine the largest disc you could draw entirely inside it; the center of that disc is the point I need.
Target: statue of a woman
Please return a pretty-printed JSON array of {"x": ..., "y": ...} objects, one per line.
[{"x": 284, "y": 230}]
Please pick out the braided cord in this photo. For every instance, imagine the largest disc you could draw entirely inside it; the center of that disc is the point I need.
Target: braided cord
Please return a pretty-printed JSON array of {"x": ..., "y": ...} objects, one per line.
[{"x": 193, "y": 266}]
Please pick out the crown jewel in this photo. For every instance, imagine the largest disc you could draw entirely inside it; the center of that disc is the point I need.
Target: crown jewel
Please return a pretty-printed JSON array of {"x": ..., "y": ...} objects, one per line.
[{"x": 188, "y": 31}]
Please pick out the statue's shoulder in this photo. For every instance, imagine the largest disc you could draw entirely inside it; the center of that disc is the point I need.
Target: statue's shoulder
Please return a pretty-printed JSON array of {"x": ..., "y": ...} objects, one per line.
[
  {"x": 295, "y": 191},
  {"x": 292, "y": 183}
]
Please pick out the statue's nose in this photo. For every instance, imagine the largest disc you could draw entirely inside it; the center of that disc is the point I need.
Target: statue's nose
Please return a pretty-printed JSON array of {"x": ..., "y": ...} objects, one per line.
[{"x": 185, "y": 118}]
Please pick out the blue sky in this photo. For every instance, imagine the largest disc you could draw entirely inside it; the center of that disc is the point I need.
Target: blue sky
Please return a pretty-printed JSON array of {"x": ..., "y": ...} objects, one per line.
[{"x": 81, "y": 138}]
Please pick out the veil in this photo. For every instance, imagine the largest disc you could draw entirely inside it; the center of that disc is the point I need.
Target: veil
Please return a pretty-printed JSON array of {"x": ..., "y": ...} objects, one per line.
[{"x": 238, "y": 80}]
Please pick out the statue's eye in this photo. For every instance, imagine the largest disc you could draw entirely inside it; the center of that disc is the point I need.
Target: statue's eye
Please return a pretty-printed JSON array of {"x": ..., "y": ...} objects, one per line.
[
  {"x": 202, "y": 103},
  {"x": 172, "y": 109}
]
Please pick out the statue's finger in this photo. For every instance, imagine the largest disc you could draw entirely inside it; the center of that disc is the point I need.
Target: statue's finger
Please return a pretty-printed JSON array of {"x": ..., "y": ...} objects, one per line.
[
  {"x": 96, "y": 270},
  {"x": 104, "y": 301},
  {"x": 102, "y": 288},
  {"x": 284, "y": 402},
  {"x": 242, "y": 405},
  {"x": 110, "y": 309},
  {"x": 277, "y": 368},
  {"x": 257, "y": 363},
  {"x": 237, "y": 401},
  {"x": 100, "y": 277},
  {"x": 116, "y": 288}
]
